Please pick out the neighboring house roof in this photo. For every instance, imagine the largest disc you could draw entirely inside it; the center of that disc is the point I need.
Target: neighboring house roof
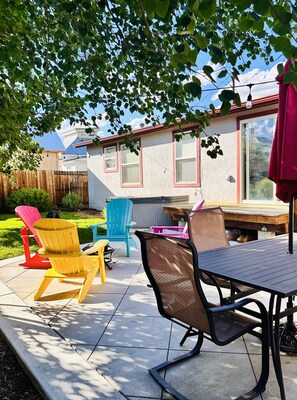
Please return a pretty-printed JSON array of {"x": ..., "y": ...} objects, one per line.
[
  {"x": 50, "y": 142},
  {"x": 264, "y": 140},
  {"x": 77, "y": 151},
  {"x": 257, "y": 103}
]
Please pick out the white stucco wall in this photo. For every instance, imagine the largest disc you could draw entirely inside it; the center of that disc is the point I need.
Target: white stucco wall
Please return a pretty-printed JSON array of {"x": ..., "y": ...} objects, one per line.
[{"x": 214, "y": 172}]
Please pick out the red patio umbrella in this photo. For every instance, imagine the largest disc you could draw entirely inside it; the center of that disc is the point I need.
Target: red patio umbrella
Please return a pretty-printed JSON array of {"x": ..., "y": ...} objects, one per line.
[
  {"x": 283, "y": 171},
  {"x": 283, "y": 159}
]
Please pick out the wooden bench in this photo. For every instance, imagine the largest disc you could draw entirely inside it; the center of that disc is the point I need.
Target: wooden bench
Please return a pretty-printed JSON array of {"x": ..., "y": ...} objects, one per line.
[{"x": 254, "y": 217}]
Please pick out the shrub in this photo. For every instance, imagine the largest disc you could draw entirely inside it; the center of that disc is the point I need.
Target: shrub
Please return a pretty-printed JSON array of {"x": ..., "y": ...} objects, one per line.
[
  {"x": 71, "y": 202},
  {"x": 38, "y": 198}
]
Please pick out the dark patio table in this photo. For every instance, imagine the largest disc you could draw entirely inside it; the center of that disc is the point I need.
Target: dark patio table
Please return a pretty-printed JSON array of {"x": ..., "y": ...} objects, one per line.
[{"x": 265, "y": 265}]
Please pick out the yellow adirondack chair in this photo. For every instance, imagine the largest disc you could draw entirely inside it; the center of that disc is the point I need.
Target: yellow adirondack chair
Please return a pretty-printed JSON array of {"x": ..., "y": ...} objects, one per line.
[{"x": 61, "y": 246}]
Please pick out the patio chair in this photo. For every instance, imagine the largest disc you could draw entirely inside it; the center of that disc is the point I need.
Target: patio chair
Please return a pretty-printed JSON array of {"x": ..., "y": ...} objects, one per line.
[
  {"x": 118, "y": 223},
  {"x": 60, "y": 243},
  {"x": 173, "y": 271},
  {"x": 29, "y": 215},
  {"x": 176, "y": 231},
  {"x": 207, "y": 231}
]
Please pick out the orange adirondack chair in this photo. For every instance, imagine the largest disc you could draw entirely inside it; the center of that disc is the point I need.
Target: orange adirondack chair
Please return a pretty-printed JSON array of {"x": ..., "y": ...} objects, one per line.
[
  {"x": 60, "y": 243},
  {"x": 29, "y": 215}
]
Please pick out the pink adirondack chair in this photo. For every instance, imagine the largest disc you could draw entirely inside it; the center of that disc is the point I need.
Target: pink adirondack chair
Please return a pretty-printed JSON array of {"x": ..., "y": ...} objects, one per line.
[
  {"x": 29, "y": 215},
  {"x": 176, "y": 231}
]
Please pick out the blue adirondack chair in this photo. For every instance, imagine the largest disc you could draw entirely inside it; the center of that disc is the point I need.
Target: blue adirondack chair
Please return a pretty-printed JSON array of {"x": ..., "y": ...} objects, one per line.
[{"x": 118, "y": 223}]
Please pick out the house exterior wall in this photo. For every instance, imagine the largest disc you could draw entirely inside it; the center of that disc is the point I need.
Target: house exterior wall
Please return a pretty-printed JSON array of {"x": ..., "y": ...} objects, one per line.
[
  {"x": 158, "y": 171},
  {"x": 220, "y": 177},
  {"x": 50, "y": 161},
  {"x": 214, "y": 172}
]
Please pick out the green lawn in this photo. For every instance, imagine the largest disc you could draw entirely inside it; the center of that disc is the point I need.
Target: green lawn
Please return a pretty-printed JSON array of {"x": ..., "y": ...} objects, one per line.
[{"x": 10, "y": 238}]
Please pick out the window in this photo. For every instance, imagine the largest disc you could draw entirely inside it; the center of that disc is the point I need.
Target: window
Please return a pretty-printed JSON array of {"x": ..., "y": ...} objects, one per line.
[
  {"x": 257, "y": 136},
  {"x": 186, "y": 157},
  {"x": 130, "y": 167},
  {"x": 110, "y": 159}
]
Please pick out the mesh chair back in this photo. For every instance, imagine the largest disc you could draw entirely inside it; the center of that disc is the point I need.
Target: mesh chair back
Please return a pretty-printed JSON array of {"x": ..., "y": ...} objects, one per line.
[
  {"x": 168, "y": 263},
  {"x": 207, "y": 228}
]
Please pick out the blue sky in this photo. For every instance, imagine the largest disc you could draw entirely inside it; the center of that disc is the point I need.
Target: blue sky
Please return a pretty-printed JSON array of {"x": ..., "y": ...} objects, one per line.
[{"x": 258, "y": 73}]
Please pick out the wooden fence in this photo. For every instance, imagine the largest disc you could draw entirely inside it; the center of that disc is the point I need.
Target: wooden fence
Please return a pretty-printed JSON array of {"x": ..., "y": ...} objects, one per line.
[{"x": 56, "y": 183}]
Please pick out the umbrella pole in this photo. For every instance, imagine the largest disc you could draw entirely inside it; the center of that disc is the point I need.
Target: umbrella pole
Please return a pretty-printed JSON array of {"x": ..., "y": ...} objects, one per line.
[
  {"x": 291, "y": 224},
  {"x": 288, "y": 331},
  {"x": 291, "y": 250}
]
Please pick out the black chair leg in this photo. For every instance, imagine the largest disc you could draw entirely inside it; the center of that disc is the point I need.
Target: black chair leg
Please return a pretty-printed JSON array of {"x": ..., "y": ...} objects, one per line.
[
  {"x": 190, "y": 332},
  {"x": 107, "y": 264},
  {"x": 155, "y": 372}
]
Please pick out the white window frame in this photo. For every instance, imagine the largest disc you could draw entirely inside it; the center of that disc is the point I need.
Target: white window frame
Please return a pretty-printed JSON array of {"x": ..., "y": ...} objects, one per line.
[
  {"x": 246, "y": 171},
  {"x": 108, "y": 157},
  {"x": 139, "y": 163},
  {"x": 188, "y": 183}
]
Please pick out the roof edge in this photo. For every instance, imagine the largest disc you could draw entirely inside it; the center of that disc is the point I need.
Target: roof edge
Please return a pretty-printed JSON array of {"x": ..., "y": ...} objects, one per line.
[{"x": 257, "y": 103}]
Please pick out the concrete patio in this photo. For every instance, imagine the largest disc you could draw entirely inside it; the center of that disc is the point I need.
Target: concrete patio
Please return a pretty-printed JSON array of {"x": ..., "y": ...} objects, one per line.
[{"x": 103, "y": 347}]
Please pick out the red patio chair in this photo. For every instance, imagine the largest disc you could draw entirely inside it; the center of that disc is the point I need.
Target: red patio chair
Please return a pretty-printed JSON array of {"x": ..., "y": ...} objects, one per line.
[{"x": 29, "y": 215}]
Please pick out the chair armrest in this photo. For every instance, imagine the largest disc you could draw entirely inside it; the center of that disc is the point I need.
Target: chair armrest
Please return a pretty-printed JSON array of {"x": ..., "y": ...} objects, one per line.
[
  {"x": 96, "y": 225},
  {"x": 160, "y": 229},
  {"x": 238, "y": 305},
  {"x": 131, "y": 223},
  {"x": 97, "y": 246}
]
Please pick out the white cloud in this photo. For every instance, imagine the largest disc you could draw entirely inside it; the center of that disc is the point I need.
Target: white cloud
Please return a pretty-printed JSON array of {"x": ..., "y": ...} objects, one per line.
[{"x": 137, "y": 123}]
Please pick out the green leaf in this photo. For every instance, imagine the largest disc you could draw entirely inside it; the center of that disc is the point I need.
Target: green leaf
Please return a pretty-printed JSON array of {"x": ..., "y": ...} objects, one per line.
[
  {"x": 225, "y": 107},
  {"x": 237, "y": 100},
  {"x": 223, "y": 73},
  {"x": 282, "y": 44},
  {"x": 201, "y": 41},
  {"x": 245, "y": 23},
  {"x": 279, "y": 13},
  {"x": 290, "y": 77},
  {"x": 281, "y": 29},
  {"x": 180, "y": 47},
  {"x": 193, "y": 88},
  {"x": 207, "y": 8},
  {"x": 208, "y": 70},
  {"x": 261, "y": 7},
  {"x": 149, "y": 6},
  {"x": 242, "y": 4},
  {"x": 184, "y": 20},
  {"x": 69, "y": 7},
  {"x": 193, "y": 5},
  {"x": 186, "y": 48},
  {"x": 232, "y": 58},
  {"x": 227, "y": 95},
  {"x": 196, "y": 80},
  {"x": 280, "y": 68},
  {"x": 162, "y": 8},
  {"x": 192, "y": 56}
]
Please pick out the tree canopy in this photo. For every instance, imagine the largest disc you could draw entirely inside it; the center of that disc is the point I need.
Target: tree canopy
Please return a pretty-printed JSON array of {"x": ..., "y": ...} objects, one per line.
[{"x": 59, "y": 59}]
